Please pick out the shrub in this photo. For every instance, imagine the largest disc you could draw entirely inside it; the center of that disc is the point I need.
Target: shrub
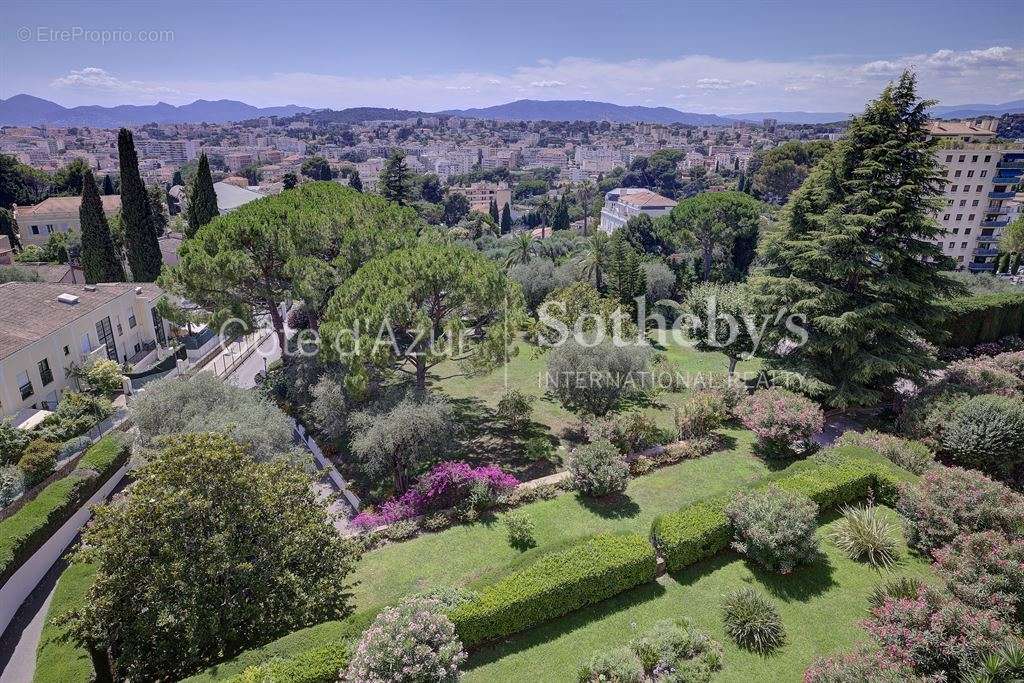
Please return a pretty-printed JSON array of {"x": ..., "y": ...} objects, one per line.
[
  {"x": 436, "y": 521},
  {"x": 984, "y": 318},
  {"x": 774, "y": 528},
  {"x": 699, "y": 415},
  {"x": 782, "y": 421},
  {"x": 986, "y": 433},
  {"x": 752, "y": 621},
  {"x": 73, "y": 446},
  {"x": 634, "y": 433},
  {"x": 598, "y": 469},
  {"x": 676, "y": 650},
  {"x": 450, "y": 597},
  {"x": 985, "y": 571},
  {"x": 103, "y": 377},
  {"x": 902, "y": 587},
  {"x": 912, "y": 456},
  {"x": 76, "y": 414},
  {"x": 1012, "y": 362},
  {"x": 836, "y": 480},
  {"x": 12, "y": 484},
  {"x": 935, "y": 635},
  {"x": 982, "y": 375},
  {"x": 1005, "y": 665},
  {"x": 106, "y": 455},
  {"x": 694, "y": 533},
  {"x": 538, "y": 448},
  {"x": 38, "y": 461},
  {"x": 619, "y": 666},
  {"x": 640, "y": 466},
  {"x": 400, "y": 531},
  {"x": 591, "y": 380},
  {"x": 514, "y": 408},
  {"x": 317, "y": 665},
  {"x": 411, "y": 643},
  {"x": 519, "y": 528},
  {"x": 863, "y": 534},
  {"x": 554, "y": 585},
  {"x": 865, "y": 665},
  {"x": 950, "y": 501},
  {"x": 12, "y": 442}
]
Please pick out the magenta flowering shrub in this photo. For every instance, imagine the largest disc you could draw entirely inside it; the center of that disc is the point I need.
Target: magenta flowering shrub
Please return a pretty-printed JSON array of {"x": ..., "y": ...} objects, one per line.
[
  {"x": 783, "y": 422},
  {"x": 860, "y": 666},
  {"x": 950, "y": 501},
  {"x": 446, "y": 485},
  {"x": 411, "y": 643},
  {"x": 986, "y": 571},
  {"x": 933, "y": 634}
]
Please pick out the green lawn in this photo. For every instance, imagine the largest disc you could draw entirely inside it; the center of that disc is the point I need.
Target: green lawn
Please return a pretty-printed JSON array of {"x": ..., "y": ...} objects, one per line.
[
  {"x": 57, "y": 661},
  {"x": 820, "y": 606},
  {"x": 469, "y": 553}
]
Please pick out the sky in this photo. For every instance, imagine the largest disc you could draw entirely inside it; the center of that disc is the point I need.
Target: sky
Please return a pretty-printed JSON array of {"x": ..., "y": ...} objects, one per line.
[{"x": 710, "y": 57}]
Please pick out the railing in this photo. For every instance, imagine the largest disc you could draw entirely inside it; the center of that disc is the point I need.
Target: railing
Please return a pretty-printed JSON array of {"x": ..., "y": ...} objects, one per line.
[
  {"x": 994, "y": 224},
  {"x": 981, "y": 267},
  {"x": 986, "y": 252},
  {"x": 1010, "y": 164},
  {"x": 1000, "y": 195}
]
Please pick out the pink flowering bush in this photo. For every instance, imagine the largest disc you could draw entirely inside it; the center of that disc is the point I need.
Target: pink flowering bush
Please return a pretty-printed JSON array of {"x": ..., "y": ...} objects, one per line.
[
  {"x": 1012, "y": 362},
  {"x": 861, "y": 666},
  {"x": 986, "y": 571},
  {"x": 782, "y": 421},
  {"x": 950, "y": 501},
  {"x": 447, "y": 485},
  {"x": 411, "y": 643},
  {"x": 984, "y": 375},
  {"x": 935, "y": 635}
]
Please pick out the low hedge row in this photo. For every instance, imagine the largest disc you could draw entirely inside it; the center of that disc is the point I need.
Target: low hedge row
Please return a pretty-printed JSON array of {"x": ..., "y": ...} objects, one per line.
[
  {"x": 555, "y": 585},
  {"x": 319, "y": 665},
  {"x": 29, "y": 528},
  {"x": 984, "y": 318},
  {"x": 848, "y": 474}
]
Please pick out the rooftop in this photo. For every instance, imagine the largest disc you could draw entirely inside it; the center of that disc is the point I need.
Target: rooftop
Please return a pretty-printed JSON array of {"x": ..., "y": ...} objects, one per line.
[
  {"x": 957, "y": 128},
  {"x": 67, "y": 205},
  {"x": 642, "y": 198},
  {"x": 29, "y": 311}
]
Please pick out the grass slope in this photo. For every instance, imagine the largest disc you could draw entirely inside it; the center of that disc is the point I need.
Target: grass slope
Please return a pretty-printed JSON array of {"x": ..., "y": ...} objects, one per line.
[{"x": 57, "y": 661}]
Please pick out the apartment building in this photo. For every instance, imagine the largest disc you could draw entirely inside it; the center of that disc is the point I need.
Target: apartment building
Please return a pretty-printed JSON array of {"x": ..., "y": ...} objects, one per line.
[
  {"x": 56, "y": 214},
  {"x": 176, "y": 151},
  {"x": 978, "y": 191},
  {"x": 623, "y": 203},
  {"x": 481, "y": 193},
  {"x": 48, "y": 328}
]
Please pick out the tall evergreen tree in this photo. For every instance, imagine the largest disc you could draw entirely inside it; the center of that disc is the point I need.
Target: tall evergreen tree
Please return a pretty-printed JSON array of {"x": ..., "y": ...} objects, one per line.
[
  {"x": 9, "y": 227},
  {"x": 202, "y": 198},
  {"x": 161, "y": 217},
  {"x": 855, "y": 253},
  {"x": 289, "y": 180},
  {"x": 560, "y": 216},
  {"x": 177, "y": 179},
  {"x": 395, "y": 179},
  {"x": 355, "y": 182},
  {"x": 506, "y": 219},
  {"x": 99, "y": 261},
  {"x": 108, "y": 185},
  {"x": 492, "y": 209},
  {"x": 144, "y": 256}
]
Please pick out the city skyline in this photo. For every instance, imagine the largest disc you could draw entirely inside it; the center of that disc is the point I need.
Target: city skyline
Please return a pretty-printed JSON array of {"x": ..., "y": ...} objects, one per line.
[{"x": 698, "y": 57}]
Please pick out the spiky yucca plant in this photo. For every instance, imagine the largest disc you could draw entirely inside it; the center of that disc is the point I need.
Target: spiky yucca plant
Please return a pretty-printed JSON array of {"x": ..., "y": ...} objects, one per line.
[
  {"x": 753, "y": 621},
  {"x": 864, "y": 534}
]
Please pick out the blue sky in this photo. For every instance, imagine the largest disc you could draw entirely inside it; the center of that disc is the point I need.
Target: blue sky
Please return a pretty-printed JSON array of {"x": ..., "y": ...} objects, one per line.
[{"x": 719, "y": 56}]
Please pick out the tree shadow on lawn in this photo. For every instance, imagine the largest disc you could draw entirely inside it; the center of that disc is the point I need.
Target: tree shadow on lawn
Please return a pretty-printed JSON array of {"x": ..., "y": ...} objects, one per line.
[
  {"x": 615, "y": 506},
  {"x": 805, "y": 582},
  {"x": 556, "y": 628}
]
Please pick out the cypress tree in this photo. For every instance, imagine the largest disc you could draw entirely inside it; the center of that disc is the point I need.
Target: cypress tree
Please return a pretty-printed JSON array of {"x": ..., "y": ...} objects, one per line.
[
  {"x": 355, "y": 182},
  {"x": 99, "y": 261},
  {"x": 1014, "y": 263},
  {"x": 143, "y": 249},
  {"x": 1003, "y": 264},
  {"x": 202, "y": 198},
  {"x": 395, "y": 179},
  {"x": 492, "y": 209},
  {"x": 177, "y": 179},
  {"x": 854, "y": 253},
  {"x": 108, "y": 185},
  {"x": 506, "y": 219}
]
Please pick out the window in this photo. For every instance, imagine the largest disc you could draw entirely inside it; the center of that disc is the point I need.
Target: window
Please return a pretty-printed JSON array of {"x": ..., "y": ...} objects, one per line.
[
  {"x": 963, "y": 245},
  {"x": 974, "y": 159},
  {"x": 988, "y": 158},
  {"x": 957, "y": 174},
  {"x": 946, "y": 217},
  {"x": 983, "y": 174},
  {"x": 963, "y": 202},
  {"x": 970, "y": 174},
  {"x": 954, "y": 188},
  {"x": 105, "y": 334},
  {"x": 959, "y": 217},
  {"x": 131, "y": 321},
  {"x": 949, "y": 158},
  {"x": 25, "y": 385},
  {"x": 45, "y": 374},
  {"x": 974, "y": 203},
  {"x": 120, "y": 331},
  {"x": 971, "y": 217},
  {"x": 67, "y": 351},
  {"x": 956, "y": 231},
  {"x": 962, "y": 158},
  {"x": 952, "y": 245},
  {"x": 86, "y": 344},
  {"x": 35, "y": 229},
  {"x": 977, "y": 189},
  {"x": 158, "y": 326},
  {"x": 967, "y": 231}
]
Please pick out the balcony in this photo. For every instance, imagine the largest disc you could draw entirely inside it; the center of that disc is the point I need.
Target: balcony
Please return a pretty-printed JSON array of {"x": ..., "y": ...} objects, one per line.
[
  {"x": 1000, "y": 195},
  {"x": 1010, "y": 164},
  {"x": 994, "y": 224},
  {"x": 981, "y": 267},
  {"x": 986, "y": 252}
]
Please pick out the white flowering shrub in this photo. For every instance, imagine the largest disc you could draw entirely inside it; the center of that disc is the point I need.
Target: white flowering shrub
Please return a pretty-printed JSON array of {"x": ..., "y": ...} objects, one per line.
[{"x": 413, "y": 642}]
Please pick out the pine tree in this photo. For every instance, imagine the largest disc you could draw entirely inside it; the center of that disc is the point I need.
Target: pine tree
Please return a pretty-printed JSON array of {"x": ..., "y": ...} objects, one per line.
[
  {"x": 108, "y": 185},
  {"x": 136, "y": 214},
  {"x": 355, "y": 182},
  {"x": 854, "y": 252},
  {"x": 506, "y": 219},
  {"x": 395, "y": 179},
  {"x": 492, "y": 209},
  {"x": 202, "y": 198},
  {"x": 99, "y": 261}
]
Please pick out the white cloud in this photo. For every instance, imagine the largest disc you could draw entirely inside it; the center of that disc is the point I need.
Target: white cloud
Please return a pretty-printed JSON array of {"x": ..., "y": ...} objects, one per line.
[{"x": 712, "y": 84}]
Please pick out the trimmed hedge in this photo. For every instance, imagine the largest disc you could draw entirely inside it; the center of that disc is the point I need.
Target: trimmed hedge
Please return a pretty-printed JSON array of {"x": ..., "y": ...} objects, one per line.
[
  {"x": 29, "y": 528},
  {"x": 319, "y": 665},
  {"x": 984, "y": 318},
  {"x": 555, "y": 585},
  {"x": 848, "y": 474}
]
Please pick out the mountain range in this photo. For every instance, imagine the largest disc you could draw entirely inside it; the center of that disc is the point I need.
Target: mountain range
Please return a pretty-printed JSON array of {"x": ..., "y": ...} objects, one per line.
[{"x": 26, "y": 110}]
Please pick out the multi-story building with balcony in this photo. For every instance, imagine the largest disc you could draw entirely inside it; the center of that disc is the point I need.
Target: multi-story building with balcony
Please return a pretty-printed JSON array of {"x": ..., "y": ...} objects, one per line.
[
  {"x": 623, "y": 203},
  {"x": 981, "y": 178},
  {"x": 481, "y": 193},
  {"x": 176, "y": 151}
]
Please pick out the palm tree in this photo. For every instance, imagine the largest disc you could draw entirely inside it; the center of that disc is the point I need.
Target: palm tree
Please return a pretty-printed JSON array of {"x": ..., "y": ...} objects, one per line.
[
  {"x": 585, "y": 196},
  {"x": 596, "y": 256},
  {"x": 523, "y": 247}
]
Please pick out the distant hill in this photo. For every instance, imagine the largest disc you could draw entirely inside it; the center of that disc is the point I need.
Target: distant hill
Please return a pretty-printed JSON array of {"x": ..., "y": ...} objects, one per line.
[
  {"x": 363, "y": 114},
  {"x": 967, "y": 111},
  {"x": 26, "y": 110},
  {"x": 792, "y": 116},
  {"x": 586, "y": 110}
]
